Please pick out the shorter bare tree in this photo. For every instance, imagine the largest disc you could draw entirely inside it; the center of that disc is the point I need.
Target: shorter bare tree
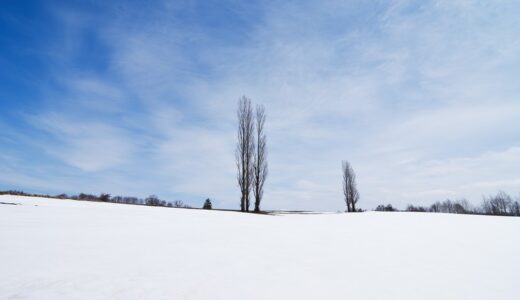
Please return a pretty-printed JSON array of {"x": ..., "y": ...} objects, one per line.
[{"x": 349, "y": 186}]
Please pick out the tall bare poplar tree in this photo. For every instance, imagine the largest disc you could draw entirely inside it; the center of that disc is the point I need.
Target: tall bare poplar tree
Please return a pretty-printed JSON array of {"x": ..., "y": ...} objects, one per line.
[
  {"x": 260, "y": 160},
  {"x": 245, "y": 150},
  {"x": 349, "y": 186}
]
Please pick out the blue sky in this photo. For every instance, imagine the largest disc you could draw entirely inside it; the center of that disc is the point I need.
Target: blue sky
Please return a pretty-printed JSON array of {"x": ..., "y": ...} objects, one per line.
[{"x": 139, "y": 98}]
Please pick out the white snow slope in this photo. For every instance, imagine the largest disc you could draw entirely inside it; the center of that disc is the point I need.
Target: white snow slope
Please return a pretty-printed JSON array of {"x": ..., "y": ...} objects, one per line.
[{"x": 64, "y": 249}]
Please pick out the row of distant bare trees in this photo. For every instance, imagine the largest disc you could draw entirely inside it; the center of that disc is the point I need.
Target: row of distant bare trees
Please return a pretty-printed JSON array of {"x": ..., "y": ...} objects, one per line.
[
  {"x": 500, "y": 204},
  {"x": 150, "y": 200},
  {"x": 251, "y": 153}
]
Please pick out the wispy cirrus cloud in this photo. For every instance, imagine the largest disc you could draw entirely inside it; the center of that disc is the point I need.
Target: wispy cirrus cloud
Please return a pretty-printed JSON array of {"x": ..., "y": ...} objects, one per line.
[{"x": 87, "y": 145}]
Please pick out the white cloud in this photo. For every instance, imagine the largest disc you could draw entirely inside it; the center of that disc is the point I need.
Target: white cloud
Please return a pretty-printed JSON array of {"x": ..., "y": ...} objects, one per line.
[
  {"x": 427, "y": 180},
  {"x": 87, "y": 145}
]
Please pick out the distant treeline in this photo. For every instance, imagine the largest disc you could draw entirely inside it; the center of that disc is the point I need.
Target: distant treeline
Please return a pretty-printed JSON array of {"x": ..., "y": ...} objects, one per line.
[
  {"x": 500, "y": 204},
  {"x": 150, "y": 200}
]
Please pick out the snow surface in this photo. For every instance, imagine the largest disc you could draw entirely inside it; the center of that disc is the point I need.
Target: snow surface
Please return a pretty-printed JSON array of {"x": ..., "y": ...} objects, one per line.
[{"x": 64, "y": 249}]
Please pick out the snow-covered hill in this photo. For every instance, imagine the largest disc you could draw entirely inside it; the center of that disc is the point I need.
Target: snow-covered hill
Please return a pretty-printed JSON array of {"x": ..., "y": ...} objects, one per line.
[{"x": 60, "y": 249}]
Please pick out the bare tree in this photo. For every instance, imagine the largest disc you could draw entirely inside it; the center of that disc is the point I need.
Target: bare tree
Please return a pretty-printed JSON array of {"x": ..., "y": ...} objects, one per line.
[
  {"x": 245, "y": 150},
  {"x": 497, "y": 205},
  {"x": 515, "y": 208},
  {"x": 152, "y": 201},
  {"x": 179, "y": 204},
  {"x": 260, "y": 157},
  {"x": 349, "y": 186}
]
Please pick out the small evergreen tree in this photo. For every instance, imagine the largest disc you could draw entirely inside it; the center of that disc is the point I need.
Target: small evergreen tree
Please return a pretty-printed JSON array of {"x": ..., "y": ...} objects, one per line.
[{"x": 207, "y": 204}]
